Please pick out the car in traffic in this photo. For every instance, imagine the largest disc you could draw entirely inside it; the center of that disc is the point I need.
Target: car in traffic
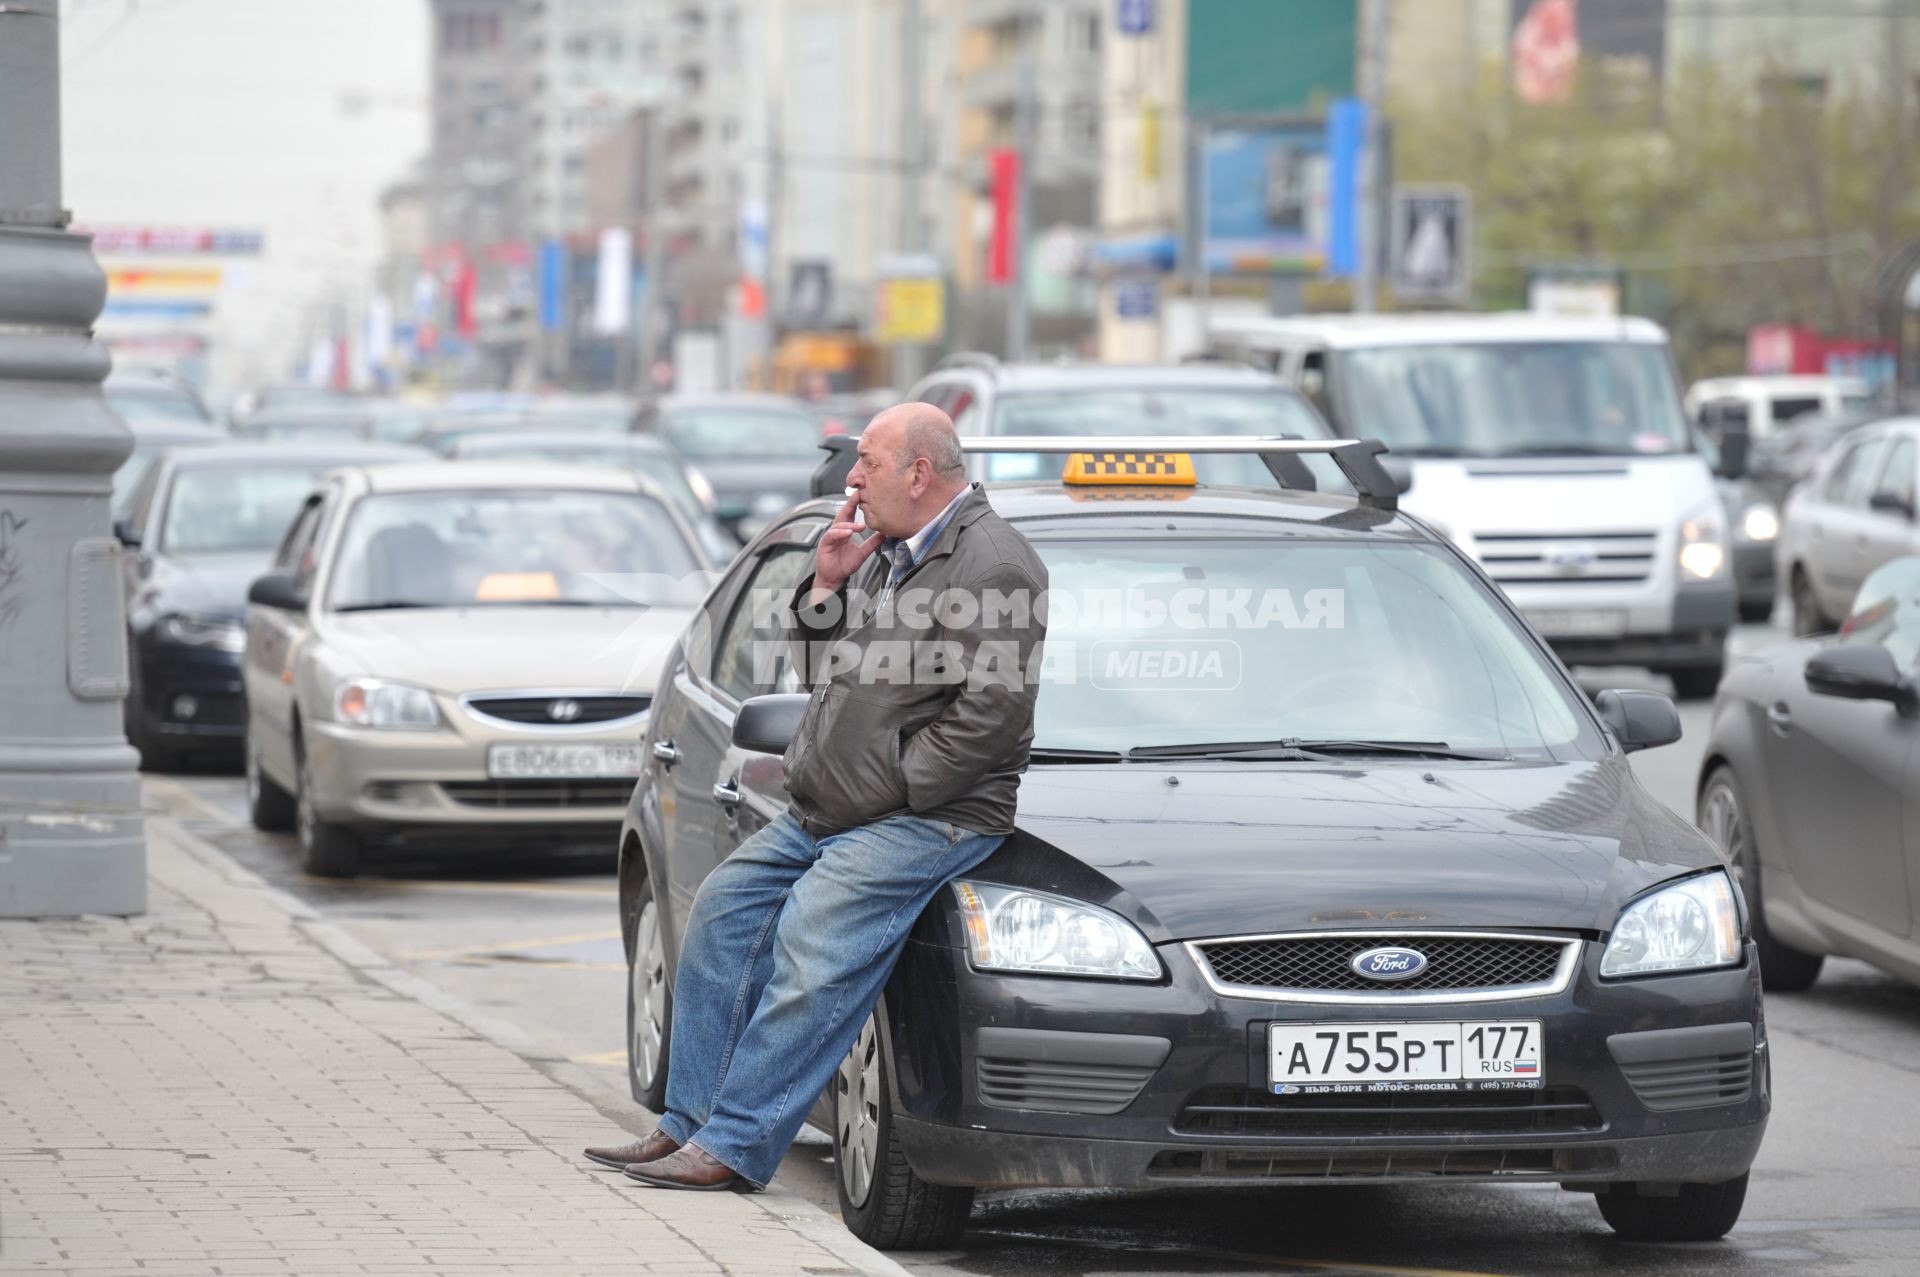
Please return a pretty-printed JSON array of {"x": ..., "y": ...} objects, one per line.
[
  {"x": 444, "y": 653},
  {"x": 1807, "y": 780},
  {"x": 198, "y": 527},
  {"x": 345, "y": 421},
  {"x": 1855, "y": 512},
  {"x": 1553, "y": 451},
  {"x": 987, "y": 398},
  {"x": 1770, "y": 404},
  {"x": 757, "y": 450},
  {"x": 1324, "y": 872},
  {"x": 646, "y": 455}
]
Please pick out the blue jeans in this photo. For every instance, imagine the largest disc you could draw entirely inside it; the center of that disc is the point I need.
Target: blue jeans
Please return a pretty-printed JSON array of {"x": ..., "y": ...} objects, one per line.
[{"x": 790, "y": 941}]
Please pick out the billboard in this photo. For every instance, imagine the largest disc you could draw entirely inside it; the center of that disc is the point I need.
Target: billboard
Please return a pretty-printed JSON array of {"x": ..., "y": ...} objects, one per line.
[
  {"x": 1265, "y": 199},
  {"x": 1428, "y": 239},
  {"x": 1263, "y": 57},
  {"x": 1617, "y": 46}
]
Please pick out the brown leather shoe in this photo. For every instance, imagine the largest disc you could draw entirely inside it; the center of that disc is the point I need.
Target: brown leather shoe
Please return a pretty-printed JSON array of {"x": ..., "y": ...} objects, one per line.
[
  {"x": 691, "y": 1168},
  {"x": 654, "y": 1146}
]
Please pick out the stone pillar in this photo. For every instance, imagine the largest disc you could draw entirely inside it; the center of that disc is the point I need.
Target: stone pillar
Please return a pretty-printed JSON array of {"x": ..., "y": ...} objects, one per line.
[{"x": 70, "y": 829}]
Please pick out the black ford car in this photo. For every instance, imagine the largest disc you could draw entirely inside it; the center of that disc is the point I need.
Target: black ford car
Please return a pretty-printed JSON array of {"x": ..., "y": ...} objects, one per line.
[{"x": 1325, "y": 871}]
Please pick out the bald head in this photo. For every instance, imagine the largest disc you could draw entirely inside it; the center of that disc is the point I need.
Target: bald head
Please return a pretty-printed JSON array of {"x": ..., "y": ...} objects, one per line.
[{"x": 910, "y": 468}]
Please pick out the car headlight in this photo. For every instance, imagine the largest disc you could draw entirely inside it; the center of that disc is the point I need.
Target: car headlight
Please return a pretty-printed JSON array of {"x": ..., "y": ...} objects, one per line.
[
  {"x": 702, "y": 489},
  {"x": 373, "y": 702},
  {"x": 1703, "y": 550},
  {"x": 1689, "y": 926},
  {"x": 1014, "y": 929},
  {"x": 215, "y": 632},
  {"x": 1760, "y": 522}
]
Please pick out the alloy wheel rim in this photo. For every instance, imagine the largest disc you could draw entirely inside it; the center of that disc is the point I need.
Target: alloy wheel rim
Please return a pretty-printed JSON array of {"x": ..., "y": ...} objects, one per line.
[
  {"x": 304, "y": 808},
  {"x": 253, "y": 778},
  {"x": 857, "y": 1115},
  {"x": 648, "y": 991},
  {"x": 1723, "y": 824}
]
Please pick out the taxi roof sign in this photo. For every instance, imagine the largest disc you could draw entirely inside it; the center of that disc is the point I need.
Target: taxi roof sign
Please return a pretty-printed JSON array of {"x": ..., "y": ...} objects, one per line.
[{"x": 1132, "y": 469}]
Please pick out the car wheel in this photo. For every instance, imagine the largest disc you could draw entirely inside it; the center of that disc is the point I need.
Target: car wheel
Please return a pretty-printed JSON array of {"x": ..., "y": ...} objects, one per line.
[
  {"x": 1696, "y": 683},
  {"x": 1698, "y": 1213},
  {"x": 1808, "y": 619},
  {"x": 649, "y": 1006},
  {"x": 882, "y": 1201},
  {"x": 1756, "y": 611},
  {"x": 271, "y": 807},
  {"x": 326, "y": 850},
  {"x": 1723, "y": 817}
]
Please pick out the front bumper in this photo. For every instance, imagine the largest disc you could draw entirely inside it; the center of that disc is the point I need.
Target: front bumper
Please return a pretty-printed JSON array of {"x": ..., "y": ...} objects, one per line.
[
  {"x": 438, "y": 780},
  {"x": 171, "y": 677},
  {"x": 1206, "y": 1115},
  {"x": 1695, "y": 637}
]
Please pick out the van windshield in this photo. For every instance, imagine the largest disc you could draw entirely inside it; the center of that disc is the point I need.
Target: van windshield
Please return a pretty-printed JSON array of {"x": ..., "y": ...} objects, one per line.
[{"x": 1517, "y": 399}]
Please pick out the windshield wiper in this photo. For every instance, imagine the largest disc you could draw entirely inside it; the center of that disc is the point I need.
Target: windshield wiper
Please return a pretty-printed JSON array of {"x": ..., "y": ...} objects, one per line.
[
  {"x": 1266, "y": 749},
  {"x": 389, "y": 605},
  {"x": 1413, "y": 748},
  {"x": 1567, "y": 450},
  {"x": 1043, "y": 754}
]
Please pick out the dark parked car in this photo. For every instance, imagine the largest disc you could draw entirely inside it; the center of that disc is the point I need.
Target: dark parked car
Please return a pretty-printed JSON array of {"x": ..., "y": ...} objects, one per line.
[
  {"x": 1325, "y": 871},
  {"x": 758, "y": 451},
  {"x": 201, "y": 524},
  {"x": 1806, "y": 784}
]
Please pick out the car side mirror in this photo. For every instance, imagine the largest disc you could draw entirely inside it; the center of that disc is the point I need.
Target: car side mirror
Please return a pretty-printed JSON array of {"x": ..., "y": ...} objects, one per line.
[
  {"x": 123, "y": 533},
  {"x": 1891, "y": 503},
  {"x": 276, "y": 589},
  {"x": 1639, "y": 720},
  {"x": 1859, "y": 672},
  {"x": 1736, "y": 447},
  {"x": 765, "y": 724}
]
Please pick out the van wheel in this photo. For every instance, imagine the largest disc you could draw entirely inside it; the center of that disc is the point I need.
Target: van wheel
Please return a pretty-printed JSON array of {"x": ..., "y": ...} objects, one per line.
[
  {"x": 271, "y": 808},
  {"x": 1808, "y": 619},
  {"x": 326, "y": 850},
  {"x": 1698, "y": 1213},
  {"x": 649, "y": 1006},
  {"x": 1722, "y": 817},
  {"x": 882, "y": 1201}
]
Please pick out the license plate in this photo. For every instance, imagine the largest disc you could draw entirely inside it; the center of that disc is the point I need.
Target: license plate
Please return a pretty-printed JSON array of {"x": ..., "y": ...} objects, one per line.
[
  {"x": 522, "y": 762},
  {"x": 1576, "y": 622},
  {"x": 1445, "y": 1055}
]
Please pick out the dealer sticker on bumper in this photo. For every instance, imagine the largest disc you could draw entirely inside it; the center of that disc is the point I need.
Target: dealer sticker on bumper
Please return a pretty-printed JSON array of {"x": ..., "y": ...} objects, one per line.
[{"x": 1443, "y": 1055}]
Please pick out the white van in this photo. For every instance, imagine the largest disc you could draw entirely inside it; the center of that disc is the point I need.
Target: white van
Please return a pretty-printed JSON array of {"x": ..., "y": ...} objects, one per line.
[
  {"x": 1773, "y": 401},
  {"x": 1553, "y": 450}
]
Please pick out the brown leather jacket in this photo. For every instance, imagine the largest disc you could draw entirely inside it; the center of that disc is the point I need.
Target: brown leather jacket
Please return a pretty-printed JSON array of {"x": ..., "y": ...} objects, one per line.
[{"x": 924, "y": 706}]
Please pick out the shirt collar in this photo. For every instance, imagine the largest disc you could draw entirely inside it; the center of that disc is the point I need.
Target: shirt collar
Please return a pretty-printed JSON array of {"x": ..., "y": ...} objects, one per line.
[{"x": 919, "y": 543}]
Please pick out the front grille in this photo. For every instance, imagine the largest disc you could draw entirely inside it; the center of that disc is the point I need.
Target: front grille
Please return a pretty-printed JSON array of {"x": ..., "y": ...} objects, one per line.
[
  {"x": 1558, "y": 1110},
  {"x": 1469, "y": 1163},
  {"x": 1575, "y": 558},
  {"x": 522, "y": 794},
  {"x": 1701, "y": 1082},
  {"x": 211, "y": 709},
  {"x": 1320, "y": 964},
  {"x": 1059, "y": 1088},
  {"x": 538, "y": 710}
]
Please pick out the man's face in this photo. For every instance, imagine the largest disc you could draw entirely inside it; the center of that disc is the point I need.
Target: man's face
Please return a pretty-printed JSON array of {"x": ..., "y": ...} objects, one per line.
[{"x": 887, "y": 491}]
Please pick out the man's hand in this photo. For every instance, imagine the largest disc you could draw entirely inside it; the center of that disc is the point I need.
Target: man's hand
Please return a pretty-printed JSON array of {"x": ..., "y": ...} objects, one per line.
[{"x": 841, "y": 551}]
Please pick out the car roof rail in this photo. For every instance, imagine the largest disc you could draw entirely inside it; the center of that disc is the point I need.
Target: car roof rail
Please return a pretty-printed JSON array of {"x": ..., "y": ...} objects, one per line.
[
  {"x": 1358, "y": 459},
  {"x": 972, "y": 359}
]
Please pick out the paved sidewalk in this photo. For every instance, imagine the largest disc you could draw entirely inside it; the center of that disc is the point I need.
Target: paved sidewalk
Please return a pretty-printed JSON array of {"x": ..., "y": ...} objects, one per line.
[{"x": 228, "y": 1085}]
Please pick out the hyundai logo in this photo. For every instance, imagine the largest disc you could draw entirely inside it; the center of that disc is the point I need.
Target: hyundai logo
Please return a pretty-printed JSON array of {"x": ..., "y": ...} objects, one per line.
[
  {"x": 563, "y": 711},
  {"x": 1389, "y": 964}
]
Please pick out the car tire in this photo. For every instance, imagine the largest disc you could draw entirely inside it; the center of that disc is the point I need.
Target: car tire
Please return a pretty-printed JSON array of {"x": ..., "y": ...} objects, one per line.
[
  {"x": 882, "y": 1201},
  {"x": 1722, "y": 815},
  {"x": 1808, "y": 618},
  {"x": 1696, "y": 682},
  {"x": 271, "y": 808},
  {"x": 649, "y": 1005},
  {"x": 327, "y": 850},
  {"x": 1698, "y": 1213},
  {"x": 1756, "y": 611}
]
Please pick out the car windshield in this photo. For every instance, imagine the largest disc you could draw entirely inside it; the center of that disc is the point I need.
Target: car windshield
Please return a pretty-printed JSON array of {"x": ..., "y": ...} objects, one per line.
[
  {"x": 1529, "y": 398},
  {"x": 744, "y": 434},
  {"x": 1183, "y": 642},
  {"x": 515, "y": 547},
  {"x": 156, "y": 405},
  {"x": 234, "y": 509},
  {"x": 1176, "y": 411}
]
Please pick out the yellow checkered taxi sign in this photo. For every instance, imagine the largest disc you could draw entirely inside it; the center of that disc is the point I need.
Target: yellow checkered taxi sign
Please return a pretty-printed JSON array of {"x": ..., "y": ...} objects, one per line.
[{"x": 1131, "y": 469}]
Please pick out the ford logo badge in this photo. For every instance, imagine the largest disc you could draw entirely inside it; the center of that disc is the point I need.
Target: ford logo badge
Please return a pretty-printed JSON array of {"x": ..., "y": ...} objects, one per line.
[{"x": 1389, "y": 963}]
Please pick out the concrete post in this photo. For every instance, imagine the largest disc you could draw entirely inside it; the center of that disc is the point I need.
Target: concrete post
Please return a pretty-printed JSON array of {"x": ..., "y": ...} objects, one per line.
[{"x": 70, "y": 830}]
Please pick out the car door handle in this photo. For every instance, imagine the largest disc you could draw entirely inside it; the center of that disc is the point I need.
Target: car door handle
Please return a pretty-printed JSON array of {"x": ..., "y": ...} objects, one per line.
[
  {"x": 727, "y": 793},
  {"x": 1781, "y": 717},
  {"x": 663, "y": 751}
]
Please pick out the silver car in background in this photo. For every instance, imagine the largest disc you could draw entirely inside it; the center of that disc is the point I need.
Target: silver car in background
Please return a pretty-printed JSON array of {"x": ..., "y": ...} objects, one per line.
[{"x": 1852, "y": 514}]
